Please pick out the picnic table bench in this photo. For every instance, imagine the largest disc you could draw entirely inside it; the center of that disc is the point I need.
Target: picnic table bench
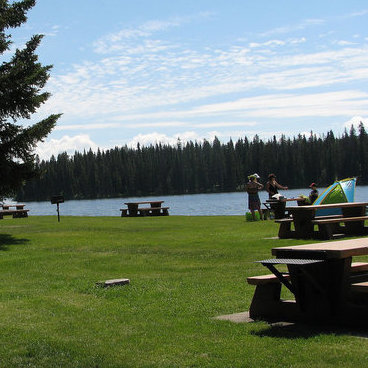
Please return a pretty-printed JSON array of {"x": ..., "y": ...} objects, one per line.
[
  {"x": 155, "y": 209},
  {"x": 328, "y": 287},
  {"x": 330, "y": 226},
  {"x": 17, "y": 212},
  {"x": 349, "y": 223}
]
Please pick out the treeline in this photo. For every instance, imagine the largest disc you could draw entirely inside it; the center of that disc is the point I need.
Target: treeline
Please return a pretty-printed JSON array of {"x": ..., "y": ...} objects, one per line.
[{"x": 201, "y": 167}]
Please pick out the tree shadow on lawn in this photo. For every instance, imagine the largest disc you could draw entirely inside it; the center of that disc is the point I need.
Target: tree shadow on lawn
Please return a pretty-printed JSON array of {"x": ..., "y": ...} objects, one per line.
[
  {"x": 6, "y": 240},
  {"x": 298, "y": 330}
]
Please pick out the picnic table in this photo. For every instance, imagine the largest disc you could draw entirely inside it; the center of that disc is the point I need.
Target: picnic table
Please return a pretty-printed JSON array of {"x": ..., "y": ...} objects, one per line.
[
  {"x": 18, "y": 206},
  {"x": 155, "y": 209},
  {"x": 278, "y": 206},
  {"x": 17, "y": 212},
  {"x": 350, "y": 221},
  {"x": 328, "y": 287}
]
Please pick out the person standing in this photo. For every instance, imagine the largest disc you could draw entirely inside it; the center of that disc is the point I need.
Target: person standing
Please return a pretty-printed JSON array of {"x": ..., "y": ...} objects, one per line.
[
  {"x": 252, "y": 188},
  {"x": 272, "y": 186}
]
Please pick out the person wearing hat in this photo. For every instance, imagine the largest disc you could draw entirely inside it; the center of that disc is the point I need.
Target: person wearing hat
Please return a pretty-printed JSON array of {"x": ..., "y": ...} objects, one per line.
[
  {"x": 254, "y": 203},
  {"x": 313, "y": 195},
  {"x": 272, "y": 185}
]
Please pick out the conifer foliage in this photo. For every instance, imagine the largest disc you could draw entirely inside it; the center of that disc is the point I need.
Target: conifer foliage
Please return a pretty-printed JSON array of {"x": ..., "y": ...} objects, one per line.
[
  {"x": 203, "y": 167},
  {"x": 22, "y": 79}
]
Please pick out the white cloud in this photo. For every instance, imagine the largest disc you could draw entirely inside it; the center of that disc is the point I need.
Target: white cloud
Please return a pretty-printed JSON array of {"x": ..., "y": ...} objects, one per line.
[
  {"x": 119, "y": 41},
  {"x": 155, "y": 138},
  {"x": 294, "y": 27},
  {"x": 190, "y": 136},
  {"x": 66, "y": 144},
  {"x": 342, "y": 103},
  {"x": 357, "y": 14},
  {"x": 53, "y": 31},
  {"x": 144, "y": 80},
  {"x": 226, "y": 124},
  {"x": 267, "y": 43},
  {"x": 153, "y": 124},
  {"x": 87, "y": 126},
  {"x": 114, "y": 87},
  {"x": 293, "y": 105},
  {"x": 355, "y": 122},
  {"x": 345, "y": 43},
  {"x": 276, "y": 43}
]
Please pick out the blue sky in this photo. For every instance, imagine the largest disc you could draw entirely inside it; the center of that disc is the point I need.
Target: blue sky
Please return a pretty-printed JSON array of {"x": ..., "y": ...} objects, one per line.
[{"x": 158, "y": 70}]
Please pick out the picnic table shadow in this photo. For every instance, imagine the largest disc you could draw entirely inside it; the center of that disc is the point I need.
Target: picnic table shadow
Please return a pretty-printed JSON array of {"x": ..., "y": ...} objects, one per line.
[
  {"x": 7, "y": 240},
  {"x": 300, "y": 330}
]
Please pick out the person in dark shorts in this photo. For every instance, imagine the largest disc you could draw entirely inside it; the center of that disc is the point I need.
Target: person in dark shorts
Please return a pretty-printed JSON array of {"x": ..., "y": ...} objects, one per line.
[{"x": 252, "y": 188}]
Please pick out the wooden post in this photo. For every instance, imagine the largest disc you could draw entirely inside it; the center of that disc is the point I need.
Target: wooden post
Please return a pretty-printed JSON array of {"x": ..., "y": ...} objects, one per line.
[{"x": 58, "y": 212}]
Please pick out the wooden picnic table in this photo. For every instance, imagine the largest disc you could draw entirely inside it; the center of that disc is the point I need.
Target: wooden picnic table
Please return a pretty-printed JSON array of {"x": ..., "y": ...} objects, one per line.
[
  {"x": 155, "y": 209},
  {"x": 18, "y": 206},
  {"x": 17, "y": 212},
  {"x": 278, "y": 206},
  {"x": 328, "y": 288},
  {"x": 352, "y": 215}
]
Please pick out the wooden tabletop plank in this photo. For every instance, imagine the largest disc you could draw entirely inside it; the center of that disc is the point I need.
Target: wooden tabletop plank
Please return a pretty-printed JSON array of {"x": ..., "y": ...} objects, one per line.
[
  {"x": 145, "y": 202},
  {"x": 274, "y": 200},
  {"x": 330, "y": 205},
  {"x": 334, "y": 249},
  {"x": 13, "y": 205}
]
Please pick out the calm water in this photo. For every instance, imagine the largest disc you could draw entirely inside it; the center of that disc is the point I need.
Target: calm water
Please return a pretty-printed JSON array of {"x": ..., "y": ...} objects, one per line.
[{"x": 186, "y": 205}]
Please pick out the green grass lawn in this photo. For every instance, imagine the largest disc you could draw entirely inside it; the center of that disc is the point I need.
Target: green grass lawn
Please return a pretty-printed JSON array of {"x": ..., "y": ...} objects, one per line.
[{"x": 183, "y": 271}]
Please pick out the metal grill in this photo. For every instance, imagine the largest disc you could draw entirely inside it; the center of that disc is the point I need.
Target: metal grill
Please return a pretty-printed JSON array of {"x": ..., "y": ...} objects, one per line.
[{"x": 291, "y": 261}]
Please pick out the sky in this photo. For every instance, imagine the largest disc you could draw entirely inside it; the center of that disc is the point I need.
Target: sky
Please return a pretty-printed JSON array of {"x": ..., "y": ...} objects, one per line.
[{"x": 152, "y": 71}]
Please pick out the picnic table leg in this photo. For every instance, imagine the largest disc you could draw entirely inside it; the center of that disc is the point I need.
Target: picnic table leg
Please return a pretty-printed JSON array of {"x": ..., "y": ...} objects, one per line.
[
  {"x": 267, "y": 306},
  {"x": 264, "y": 299},
  {"x": 304, "y": 228},
  {"x": 325, "y": 231},
  {"x": 156, "y": 211},
  {"x": 354, "y": 227},
  {"x": 144, "y": 212},
  {"x": 133, "y": 210},
  {"x": 285, "y": 230},
  {"x": 321, "y": 289},
  {"x": 266, "y": 211},
  {"x": 278, "y": 209}
]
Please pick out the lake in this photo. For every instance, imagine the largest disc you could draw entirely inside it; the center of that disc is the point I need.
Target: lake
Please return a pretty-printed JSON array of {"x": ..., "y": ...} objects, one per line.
[{"x": 215, "y": 204}]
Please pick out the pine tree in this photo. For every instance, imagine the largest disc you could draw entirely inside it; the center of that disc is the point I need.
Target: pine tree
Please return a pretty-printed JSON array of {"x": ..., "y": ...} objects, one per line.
[
  {"x": 363, "y": 154},
  {"x": 22, "y": 79}
]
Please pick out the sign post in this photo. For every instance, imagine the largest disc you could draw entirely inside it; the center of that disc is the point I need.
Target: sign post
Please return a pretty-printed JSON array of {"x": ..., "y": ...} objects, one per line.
[{"x": 56, "y": 200}]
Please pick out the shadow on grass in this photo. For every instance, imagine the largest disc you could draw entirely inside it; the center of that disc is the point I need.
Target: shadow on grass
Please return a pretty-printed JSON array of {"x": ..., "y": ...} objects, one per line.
[
  {"x": 294, "y": 331},
  {"x": 6, "y": 240}
]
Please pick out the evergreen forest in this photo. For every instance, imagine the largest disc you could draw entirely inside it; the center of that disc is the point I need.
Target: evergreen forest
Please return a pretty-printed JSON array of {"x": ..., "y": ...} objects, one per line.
[{"x": 203, "y": 167}]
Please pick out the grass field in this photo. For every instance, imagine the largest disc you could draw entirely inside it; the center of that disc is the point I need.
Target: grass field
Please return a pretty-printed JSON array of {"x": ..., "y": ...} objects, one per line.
[{"x": 183, "y": 270}]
